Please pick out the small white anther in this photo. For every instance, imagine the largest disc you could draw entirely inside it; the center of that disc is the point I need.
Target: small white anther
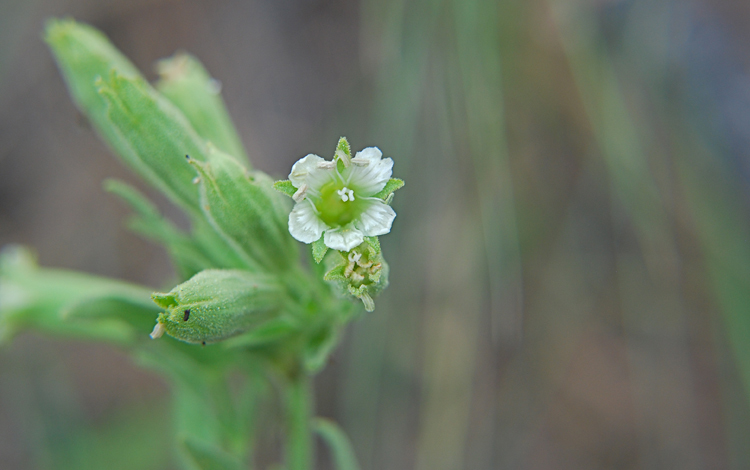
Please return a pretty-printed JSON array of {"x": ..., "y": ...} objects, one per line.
[
  {"x": 357, "y": 277},
  {"x": 346, "y": 194},
  {"x": 375, "y": 268},
  {"x": 359, "y": 161},
  {"x": 300, "y": 194},
  {"x": 158, "y": 331},
  {"x": 354, "y": 256},
  {"x": 327, "y": 165}
]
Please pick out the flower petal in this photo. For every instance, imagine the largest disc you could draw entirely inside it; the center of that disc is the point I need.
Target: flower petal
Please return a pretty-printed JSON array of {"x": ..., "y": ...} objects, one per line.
[
  {"x": 304, "y": 223},
  {"x": 376, "y": 219},
  {"x": 343, "y": 238},
  {"x": 302, "y": 167},
  {"x": 368, "y": 180}
]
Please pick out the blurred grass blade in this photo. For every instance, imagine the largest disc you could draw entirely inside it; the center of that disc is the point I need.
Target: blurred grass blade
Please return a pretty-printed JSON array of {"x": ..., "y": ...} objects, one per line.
[
  {"x": 341, "y": 448},
  {"x": 187, "y": 84},
  {"x": 207, "y": 456}
]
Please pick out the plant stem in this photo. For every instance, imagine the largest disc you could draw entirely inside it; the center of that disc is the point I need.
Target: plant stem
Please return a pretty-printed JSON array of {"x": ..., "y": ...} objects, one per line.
[{"x": 299, "y": 450}]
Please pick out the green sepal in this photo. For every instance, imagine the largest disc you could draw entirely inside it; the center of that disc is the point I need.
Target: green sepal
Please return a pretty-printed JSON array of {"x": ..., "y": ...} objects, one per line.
[
  {"x": 373, "y": 246},
  {"x": 245, "y": 210},
  {"x": 186, "y": 83},
  {"x": 343, "y": 145},
  {"x": 216, "y": 304},
  {"x": 392, "y": 185},
  {"x": 337, "y": 266},
  {"x": 285, "y": 186},
  {"x": 319, "y": 249}
]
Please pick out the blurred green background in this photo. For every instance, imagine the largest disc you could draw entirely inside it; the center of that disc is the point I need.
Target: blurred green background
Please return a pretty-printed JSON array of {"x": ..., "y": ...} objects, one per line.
[{"x": 570, "y": 264}]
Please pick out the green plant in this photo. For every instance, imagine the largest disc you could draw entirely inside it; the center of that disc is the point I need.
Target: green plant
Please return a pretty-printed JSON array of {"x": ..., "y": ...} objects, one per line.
[{"x": 249, "y": 315}]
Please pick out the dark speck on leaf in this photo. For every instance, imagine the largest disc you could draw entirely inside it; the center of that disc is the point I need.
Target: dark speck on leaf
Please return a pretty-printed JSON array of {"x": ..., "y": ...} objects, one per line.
[
  {"x": 204, "y": 343},
  {"x": 187, "y": 315}
]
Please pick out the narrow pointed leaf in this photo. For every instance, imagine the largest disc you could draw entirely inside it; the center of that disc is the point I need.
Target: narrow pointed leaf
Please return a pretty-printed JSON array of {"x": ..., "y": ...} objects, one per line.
[
  {"x": 156, "y": 137},
  {"x": 186, "y": 83}
]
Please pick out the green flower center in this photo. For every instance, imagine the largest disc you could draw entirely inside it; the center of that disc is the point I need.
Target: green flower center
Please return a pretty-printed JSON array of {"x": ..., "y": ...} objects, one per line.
[{"x": 338, "y": 205}]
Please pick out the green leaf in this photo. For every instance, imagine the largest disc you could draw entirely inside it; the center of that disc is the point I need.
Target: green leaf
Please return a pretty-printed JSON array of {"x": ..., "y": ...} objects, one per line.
[
  {"x": 36, "y": 298},
  {"x": 392, "y": 185},
  {"x": 144, "y": 129},
  {"x": 154, "y": 137},
  {"x": 185, "y": 82},
  {"x": 185, "y": 253},
  {"x": 128, "y": 310},
  {"x": 319, "y": 249},
  {"x": 338, "y": 442},
  {"x": 84, "y": 54},
  {"x": 245, "y": 210},
  {"x": 216, "y": 304},
  {"x": 267, "y": 333},
  {"x": 207, "y": 456},
  {"x": 285, "y": 186},
  {"x": 319, "y": 347}
]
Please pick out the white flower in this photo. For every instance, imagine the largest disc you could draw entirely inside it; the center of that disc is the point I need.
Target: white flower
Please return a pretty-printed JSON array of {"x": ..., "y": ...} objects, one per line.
[{"x": 339, "y": 204}]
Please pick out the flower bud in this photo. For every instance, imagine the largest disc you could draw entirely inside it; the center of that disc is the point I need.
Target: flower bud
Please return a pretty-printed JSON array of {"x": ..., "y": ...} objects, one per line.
[
  {"x": 216, "y": 304},
  {"x": 245, "y": 210}
]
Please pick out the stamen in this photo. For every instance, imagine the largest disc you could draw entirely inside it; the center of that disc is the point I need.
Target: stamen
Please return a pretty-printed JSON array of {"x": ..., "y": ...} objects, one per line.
[
  {"x": 158, "y": 331},
  {"x": 357, "y": 277},
  {"x": 300, "y": 194},
  {"x": 349, "y": 269},
  {"x": 346, "y": 194},
  {"x": 359, "y": 161},
  {"x": 354, "y": 256},
  {"x": 327, "y": 165}
]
